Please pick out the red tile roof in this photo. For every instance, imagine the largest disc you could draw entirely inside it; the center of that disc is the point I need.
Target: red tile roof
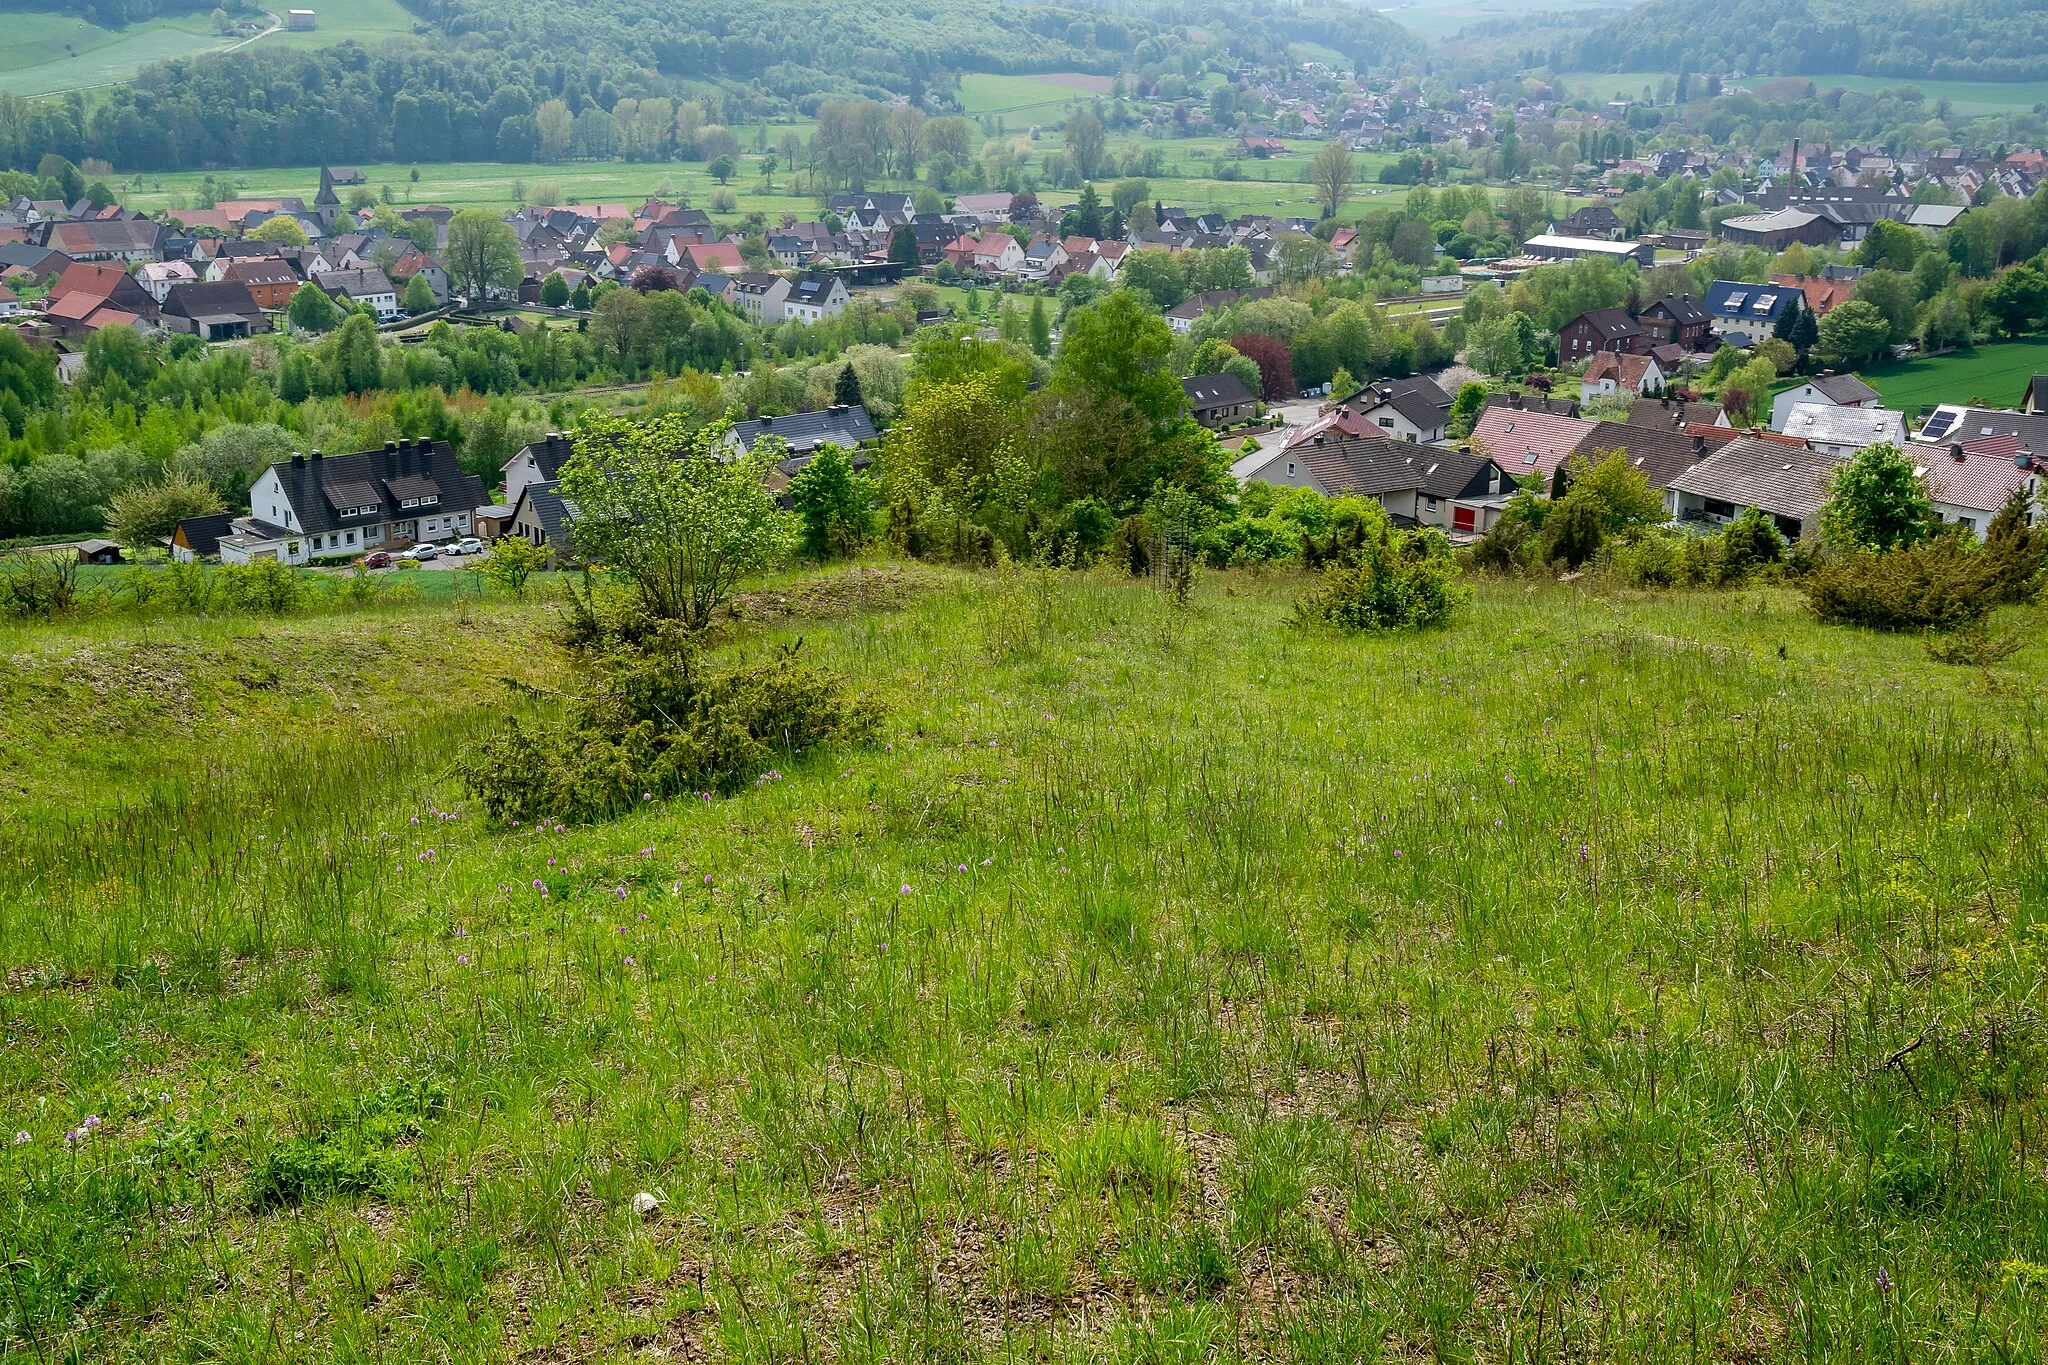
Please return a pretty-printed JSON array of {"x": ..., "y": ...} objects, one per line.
[
  {"x": 1983, "y": 479},
  {"x": 1524, "y": 442}
]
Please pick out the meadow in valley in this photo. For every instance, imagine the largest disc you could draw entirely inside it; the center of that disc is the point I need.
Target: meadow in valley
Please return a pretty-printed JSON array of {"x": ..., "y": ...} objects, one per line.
[{"x": 1603, "y": 976}]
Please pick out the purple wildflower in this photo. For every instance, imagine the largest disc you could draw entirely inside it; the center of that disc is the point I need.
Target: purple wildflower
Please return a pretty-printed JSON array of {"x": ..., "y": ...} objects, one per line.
[
  {"x": 462, "y": 959},
  {"x": 1884, "y": 1281}
]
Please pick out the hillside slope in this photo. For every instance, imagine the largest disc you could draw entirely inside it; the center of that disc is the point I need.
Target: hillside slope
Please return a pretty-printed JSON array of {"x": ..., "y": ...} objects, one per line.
[{"x": 1920, "y": 39}]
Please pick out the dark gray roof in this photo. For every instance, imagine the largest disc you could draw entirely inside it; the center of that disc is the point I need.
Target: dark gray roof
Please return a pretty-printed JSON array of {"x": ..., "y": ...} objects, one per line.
[
  {"x": 1221, "y": 390},
  {"x": 1610, "y": 322},
  {"x": 202, "y": 534},
  {"x": 1217, "y": 298},
  {"x": 354, "y": 283},
  {"x": 1681, "y": 307},
  {"x": 199, "y": 299},
  {"x": 1784, "y": 480},
  {"x": 1536, "y": 402},
  {"x": 1672, "y": 412},
  {"x": 846, "y": 426},
  {"x": 1371, "y": 466},
  {"x": 420, "y": 469},
  {"x": 545, "y": 498},
  {"x": 1662, "y": 453},
  {"x": 548, "y": 454},
  {"x": 1844, "y": 388}
]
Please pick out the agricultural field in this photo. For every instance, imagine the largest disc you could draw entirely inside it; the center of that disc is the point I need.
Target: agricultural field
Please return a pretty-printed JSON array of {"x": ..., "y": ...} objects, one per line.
[
  {"x": 1968, "y": 97},
  {"x": 368, "y": 22},
  {"x": 1992, "y": 375},
  {"x": 46, "y": 52},
  {"x": 1605, "y": 976}
]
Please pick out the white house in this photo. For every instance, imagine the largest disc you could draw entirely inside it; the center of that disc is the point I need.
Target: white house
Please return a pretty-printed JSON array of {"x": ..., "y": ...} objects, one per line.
[
  {"x": 1415, "y": 410},
  {"x": 158, "y": 276},
  {"x": 1970, "y": 480},
  {"x": 1606, "y": 373},
  {"x": 814, "y": 296},
  {"x": 1041, "y": 258},
  {"x": 369, "y": 287},
  {"x": 760, "y": 296},
  {"x": 10, "y": 303},
  {"x": 1842, "y": 432},
  {"x": 998, "y": 254},
  {"x": 1837, "y": 390},
  {"x": 309, "y": 508}
]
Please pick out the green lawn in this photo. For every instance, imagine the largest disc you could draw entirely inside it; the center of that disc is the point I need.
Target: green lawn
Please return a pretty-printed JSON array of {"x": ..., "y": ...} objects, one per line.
[
  {"x": 1025, "y": 100},
  {"x": 1991, "y": 375},
  {"x": 368, "y": 22},
  {"x": 1608, "y": 976},
  {"x": 46, "y": 52}
]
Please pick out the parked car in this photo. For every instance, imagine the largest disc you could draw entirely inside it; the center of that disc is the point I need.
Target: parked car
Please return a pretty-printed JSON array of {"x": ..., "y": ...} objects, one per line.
[
  {"x": 424, "y": 552},
  {"x": 452, "y": 548},
  {"x": 377, "y": 559},
  {"x": 470, "y": 545}
]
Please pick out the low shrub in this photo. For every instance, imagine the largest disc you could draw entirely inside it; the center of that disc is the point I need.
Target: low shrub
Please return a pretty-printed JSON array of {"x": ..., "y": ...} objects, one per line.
[
  {"x": 654, "y": 723},
  {"x": 1389, "y": 581},
  {"x": 1938, "y": 584},
  {"x": 1974, "y": 646},
  {"x": 354, "y": 1153}
]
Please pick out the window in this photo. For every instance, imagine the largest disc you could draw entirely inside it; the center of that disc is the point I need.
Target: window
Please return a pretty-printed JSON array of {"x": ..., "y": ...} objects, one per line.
[
  {"x": 1386, "y": 421},
  {"x": 1290, "y": 469},
  {"x": 1763, "y": 302},
  {"x": 409, "y": 502},
  {"x": 1432, "y": 504},
  {"x": 1735, "y": 300},
  {"x": 351, "y": 537}
]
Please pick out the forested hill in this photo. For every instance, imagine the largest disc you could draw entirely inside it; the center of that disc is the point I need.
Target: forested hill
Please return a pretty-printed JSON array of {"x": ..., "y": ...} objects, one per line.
[{"x": 1913, "y": 39}]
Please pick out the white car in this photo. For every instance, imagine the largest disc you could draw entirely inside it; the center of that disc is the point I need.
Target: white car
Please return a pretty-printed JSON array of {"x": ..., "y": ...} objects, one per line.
[
  {"x": 426, "y": 552},
  {"x": 453, "y": 548},
  {"x": 469, "y": 545}
]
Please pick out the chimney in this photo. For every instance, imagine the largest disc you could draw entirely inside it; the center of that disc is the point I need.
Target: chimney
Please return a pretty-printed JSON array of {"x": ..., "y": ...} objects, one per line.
[
  {"x": 1699, "y": 445},
  {"x": 298, "y": 460},
  {"x": 316, "y": 466},
  {"x": 390, "y": 446},
  {"x": 1955, "y": 452},
  {"x": 1515, "y": 401}
]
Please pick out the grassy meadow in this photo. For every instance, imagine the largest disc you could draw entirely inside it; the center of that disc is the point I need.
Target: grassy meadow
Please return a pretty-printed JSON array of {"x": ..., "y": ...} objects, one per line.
[
  {"x": 48, "y": 52},
  {"x": 1607, "y": 976},
  {"x": 1992, "y": 375}
]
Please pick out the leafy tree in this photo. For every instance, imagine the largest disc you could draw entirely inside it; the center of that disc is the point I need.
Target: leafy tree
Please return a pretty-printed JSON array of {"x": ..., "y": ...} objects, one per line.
[
  {"x": 1275, "y": 362},
  {"x": 2016, "y": 299},
  {"x": 1890, "y": 246},
  {"x": 903, "y": 246},
  {"x": 1041, "y": 327},
  {"x": 1085, "y": 144},
  {"x": 355, "y": 358},
  {"x": 1876, "y": 501},
  {"x": 117, "y": 364},
  {"x": 1331, "y": 175},
  {"x": 143, "y": 514},
  {"x": 834, "y": 505},
  {"x": 669, "y": 509},
  {"x": 282, "y": 229},
  {"x": 554, "y": 290},
  {"x": 722, "y": 167},
  {"x": 1494, "y": 346},
  {"x": 1853, "y": 332},
  {"x": 1465, "y": 409},
  {"x": 1126, "y": 195},
  {"x": 1893, "y": 295},
  {"x": 419, "y": 295},
  {"x": 1156, "y": 274},
  {"x": 512, "y": 561},
  {"x": 482, "y": 254}
]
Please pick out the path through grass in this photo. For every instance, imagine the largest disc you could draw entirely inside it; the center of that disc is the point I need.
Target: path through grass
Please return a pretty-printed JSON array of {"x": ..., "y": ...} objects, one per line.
[{"x": 1602, "y": 978}]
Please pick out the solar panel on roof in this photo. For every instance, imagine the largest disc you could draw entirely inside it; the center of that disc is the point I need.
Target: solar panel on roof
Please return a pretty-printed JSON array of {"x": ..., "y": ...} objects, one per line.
[{"x": 1938, "y": 424}]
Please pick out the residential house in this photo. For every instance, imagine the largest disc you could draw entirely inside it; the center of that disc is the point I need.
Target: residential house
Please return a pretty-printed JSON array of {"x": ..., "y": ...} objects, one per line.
[
  {"x": 1608, "y": 373},
  {"x": 1217, "y": 400},
  {"x": 537, "y": 462},
  {"x": 992, "y": 208},
  {"x": 270, "y": 282},
  {"x": 1415, "y": 409},
  {"x": 157, "y": 277},
  {"x": 1842, "y": 431},
  {"x": 2035, "y": 399},
  {"x": 1745, "y": 314},
  {"x": 1787, "y": 482},
  {"x": 78, "y": 313},
  {"x": 309, "y": 508},
  {"x": 1594, "y": 220},
  {"x": 109, "y": 284},
  {"x": 713, "y": 257},
  {"x": 800, "y": 433},
  {"x": 815, "y": 295},
  {"x": 1181, "y": 317},
  {"x": 1602, "y": 329},
  {"x": 199, "y": 537},
  {"x": 1666, "y": 411},
  {"x": 1524, "y": 442},
  {"x": 1970, "y": 480},
  {"x": 127, "y": 240},
  {"x": 994, "y": 254},
  {"x": 36, "y": 263},
  {"x": 414, "y": 262},
  {"x": 365, "y": 286},
  {"x": 1676, "y": 320},
  {"x": 1534, "y": 402},
  {"x": 1821, "y": 292},
  {"x": 1660, "y": 454},
  {"x": 541, "y": 518},
  {"x": 1834, "y": 390},
  {"x": 1042, "y": 255},
  {"x": 1418, "y": 485},
  {"x": 218, "y": 311},
  {"x": 10, "y": 303},
  {"x": 760, "y": 296}
]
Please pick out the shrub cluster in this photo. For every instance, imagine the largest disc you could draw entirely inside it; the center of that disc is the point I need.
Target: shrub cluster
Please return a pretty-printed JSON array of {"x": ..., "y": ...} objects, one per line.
[
  {"x": 1659, "y": 558},
  {"x": 355, "y": 1153},
  {"x": 1383, "y": 579},
  {"x": 654, "y": 722},
  {"x": 1943, "y": 583}
]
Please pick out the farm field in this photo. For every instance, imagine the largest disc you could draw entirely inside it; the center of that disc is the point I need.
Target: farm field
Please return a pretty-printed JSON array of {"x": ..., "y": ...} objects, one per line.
[
  {"x": 1606, "y": 976},
  {"x": 1994, "y": 374},
  {"x": 46, "y": 52},
  {"x": 368, "y": 22}
]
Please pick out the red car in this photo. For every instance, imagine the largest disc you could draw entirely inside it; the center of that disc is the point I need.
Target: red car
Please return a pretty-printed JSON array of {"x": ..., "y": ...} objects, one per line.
[{"x": 377, "y": 559}]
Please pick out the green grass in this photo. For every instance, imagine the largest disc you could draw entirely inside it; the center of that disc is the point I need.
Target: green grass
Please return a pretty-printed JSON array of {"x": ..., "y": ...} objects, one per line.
[
  {"x": 46, "y": 53},
  {"x": 1021, "y": 100},
  {"x": 368, "y": 22},
  {"x": 1991, "y": 375},
  {"x": 1605, "y": 977}
]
